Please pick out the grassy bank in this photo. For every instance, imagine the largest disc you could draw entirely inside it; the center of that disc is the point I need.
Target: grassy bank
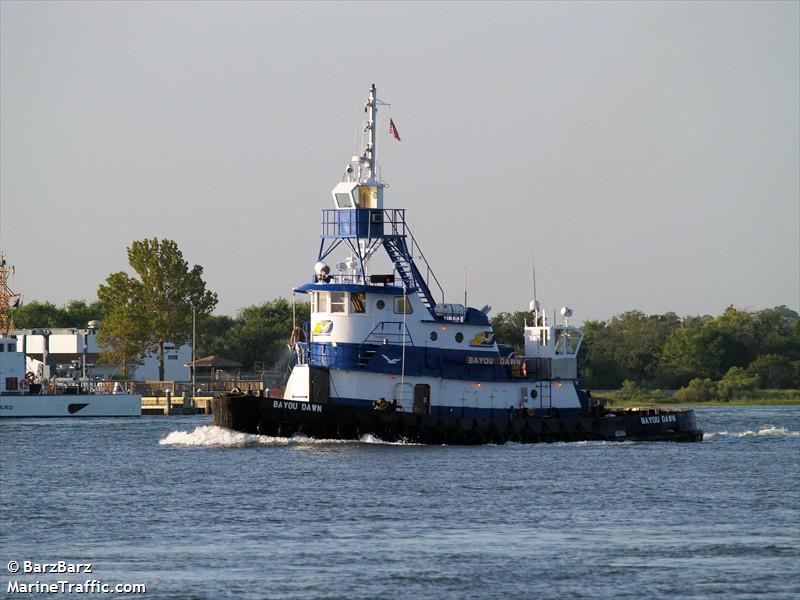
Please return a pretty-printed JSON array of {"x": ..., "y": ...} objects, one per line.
[{"x": 660, "y": 398}]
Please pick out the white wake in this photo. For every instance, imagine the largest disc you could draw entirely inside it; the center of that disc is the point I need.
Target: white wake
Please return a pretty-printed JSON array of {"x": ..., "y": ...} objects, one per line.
[
  {"x": 219, "y": 437},
  {"x": 766, "y": 431}
]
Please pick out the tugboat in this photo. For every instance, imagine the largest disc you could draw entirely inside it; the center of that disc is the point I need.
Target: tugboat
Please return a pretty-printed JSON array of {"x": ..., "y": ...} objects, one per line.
[{"x": 382, "y": 356}]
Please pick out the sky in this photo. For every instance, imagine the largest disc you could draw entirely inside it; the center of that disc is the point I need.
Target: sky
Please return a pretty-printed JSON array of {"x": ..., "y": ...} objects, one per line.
[{"x": 647, "y": 153}]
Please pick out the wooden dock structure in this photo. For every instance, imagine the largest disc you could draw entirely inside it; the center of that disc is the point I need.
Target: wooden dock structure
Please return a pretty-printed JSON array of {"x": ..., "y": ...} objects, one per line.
[{"x": 176, "y": 405}]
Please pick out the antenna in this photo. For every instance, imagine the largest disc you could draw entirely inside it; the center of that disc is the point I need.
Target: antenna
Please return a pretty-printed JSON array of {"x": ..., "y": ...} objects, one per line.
[
  {"x": 369, "y": 155},
  {"x": 533, "y": 261},
  {"x": 465, "y": 287},
  {"x": 538, "y": 317}
]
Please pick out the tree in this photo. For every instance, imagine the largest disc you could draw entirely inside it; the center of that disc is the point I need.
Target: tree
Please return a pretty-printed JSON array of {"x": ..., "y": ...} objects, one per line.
[
  {"x": 261, "y": 332},
  {"x": 38, "y": 314},
  {"x": 160, "y": 301},
  {"x": 626, "y": 347},
  {"x": 736, "y": 383},
  {"x": 775, "y": 371},
  {"x": 76, "y": 313},
  {"x": 598, "y": 367},
  {"x": 213, "y": 335},
  {"x": 123, "y": 334},
  {"x": 698, "y": 390},
  {"x": 509, "y": 328},
  {"x": 691, "y": 353}
]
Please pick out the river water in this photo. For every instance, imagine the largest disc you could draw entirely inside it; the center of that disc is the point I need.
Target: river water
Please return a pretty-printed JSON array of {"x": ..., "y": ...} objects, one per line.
[{"x": 197, "y": 512}]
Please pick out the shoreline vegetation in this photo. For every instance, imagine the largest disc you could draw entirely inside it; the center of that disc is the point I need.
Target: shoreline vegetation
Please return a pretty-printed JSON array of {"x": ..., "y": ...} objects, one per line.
[{"x": 650, "y": 398}]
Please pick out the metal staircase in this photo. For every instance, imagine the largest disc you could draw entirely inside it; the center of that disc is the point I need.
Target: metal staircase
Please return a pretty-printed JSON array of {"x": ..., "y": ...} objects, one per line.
[
  {"x": 408, "y": 271},
  {"x": 385, "y": 333},
  {"x": 365, "y": 354}
]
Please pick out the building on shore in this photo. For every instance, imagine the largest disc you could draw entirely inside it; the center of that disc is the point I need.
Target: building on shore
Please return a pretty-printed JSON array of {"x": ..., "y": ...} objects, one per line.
[
  {"x": 215, "y": 368},
  {"x": 63, "y": 352}
]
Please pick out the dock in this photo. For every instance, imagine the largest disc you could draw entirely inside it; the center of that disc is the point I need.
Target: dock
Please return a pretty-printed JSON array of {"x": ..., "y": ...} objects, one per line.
[{"x": 176, "y": 405}]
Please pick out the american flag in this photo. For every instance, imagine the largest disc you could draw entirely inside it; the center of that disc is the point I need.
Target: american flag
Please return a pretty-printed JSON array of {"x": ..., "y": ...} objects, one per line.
[{"x": 393, "y": 130}]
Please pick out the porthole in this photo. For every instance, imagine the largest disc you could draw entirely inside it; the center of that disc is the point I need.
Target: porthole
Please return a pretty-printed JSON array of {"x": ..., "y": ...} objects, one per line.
[
  {"x": 380, "y": 304},
  {"x": 434, "y": 336},
  {"x": 533, "y": 394},
  {"x": 459, "y": 337}
]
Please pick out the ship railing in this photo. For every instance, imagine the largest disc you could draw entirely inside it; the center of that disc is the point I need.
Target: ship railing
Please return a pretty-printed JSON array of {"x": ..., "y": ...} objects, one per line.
[
  {"x": 389, "y": 332},
  {"x": 375, "y": 224},
  {"x": 300, "y": 353},
  {"x": 356, "y": 279},
  {"x": 320, "y": 355},
  {"x": 365, "y": 223},
  {"x": 111, "y": 387}
]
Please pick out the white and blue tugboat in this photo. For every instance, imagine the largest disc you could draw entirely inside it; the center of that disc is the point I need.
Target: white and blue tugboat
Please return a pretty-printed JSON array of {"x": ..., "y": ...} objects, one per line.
[{"x": 382, "y": 356}]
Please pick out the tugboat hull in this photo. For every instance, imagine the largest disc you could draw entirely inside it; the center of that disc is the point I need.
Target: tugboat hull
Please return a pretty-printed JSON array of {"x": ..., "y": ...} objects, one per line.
[{"x": 277, "y": 417}]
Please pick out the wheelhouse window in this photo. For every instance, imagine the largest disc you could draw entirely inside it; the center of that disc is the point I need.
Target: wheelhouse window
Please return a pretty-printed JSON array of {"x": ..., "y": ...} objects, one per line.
[
  {"x": 567, "y": 341},
  {"x": 12, "y": 347},
  {"x": 358, "y": 302},
  {"x": 338, "y": 302},
  {"x": 323, "y": 302},
  {"x": 402, "y": 306},
  {"x": 343, "y": 200}
]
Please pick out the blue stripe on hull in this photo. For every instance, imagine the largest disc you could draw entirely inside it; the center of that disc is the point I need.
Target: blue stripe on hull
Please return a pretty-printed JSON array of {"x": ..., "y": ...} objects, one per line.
[{"x": 419, "y": 361}]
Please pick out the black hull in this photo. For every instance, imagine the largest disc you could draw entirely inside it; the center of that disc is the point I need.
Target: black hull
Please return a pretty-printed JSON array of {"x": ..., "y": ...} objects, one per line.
[{"x": 276, "y": 417}]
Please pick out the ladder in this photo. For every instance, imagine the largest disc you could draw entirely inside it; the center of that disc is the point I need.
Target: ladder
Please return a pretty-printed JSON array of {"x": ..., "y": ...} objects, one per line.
[{"x": 398, "y": 252}]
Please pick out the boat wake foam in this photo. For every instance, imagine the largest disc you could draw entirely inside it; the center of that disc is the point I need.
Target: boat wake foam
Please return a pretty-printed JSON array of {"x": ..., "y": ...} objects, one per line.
[
  {"x": 219, "y": 437},
  {"x": 766, "y": 431}
]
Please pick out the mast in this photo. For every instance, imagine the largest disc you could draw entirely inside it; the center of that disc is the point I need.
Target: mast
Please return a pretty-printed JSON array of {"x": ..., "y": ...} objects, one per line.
[
  {"x": 360, "y": 223},
  {"x": 6, "y": 297},
  {"x": 367, "y": 171}
]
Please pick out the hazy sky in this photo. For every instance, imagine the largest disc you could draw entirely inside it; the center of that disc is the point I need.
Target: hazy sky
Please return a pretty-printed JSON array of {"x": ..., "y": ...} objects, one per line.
[{"x": 649, "y": 152}]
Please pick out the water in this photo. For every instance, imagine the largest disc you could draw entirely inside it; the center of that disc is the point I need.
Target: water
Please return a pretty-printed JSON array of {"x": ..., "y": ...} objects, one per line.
[{"x": 197, "y": 512}]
